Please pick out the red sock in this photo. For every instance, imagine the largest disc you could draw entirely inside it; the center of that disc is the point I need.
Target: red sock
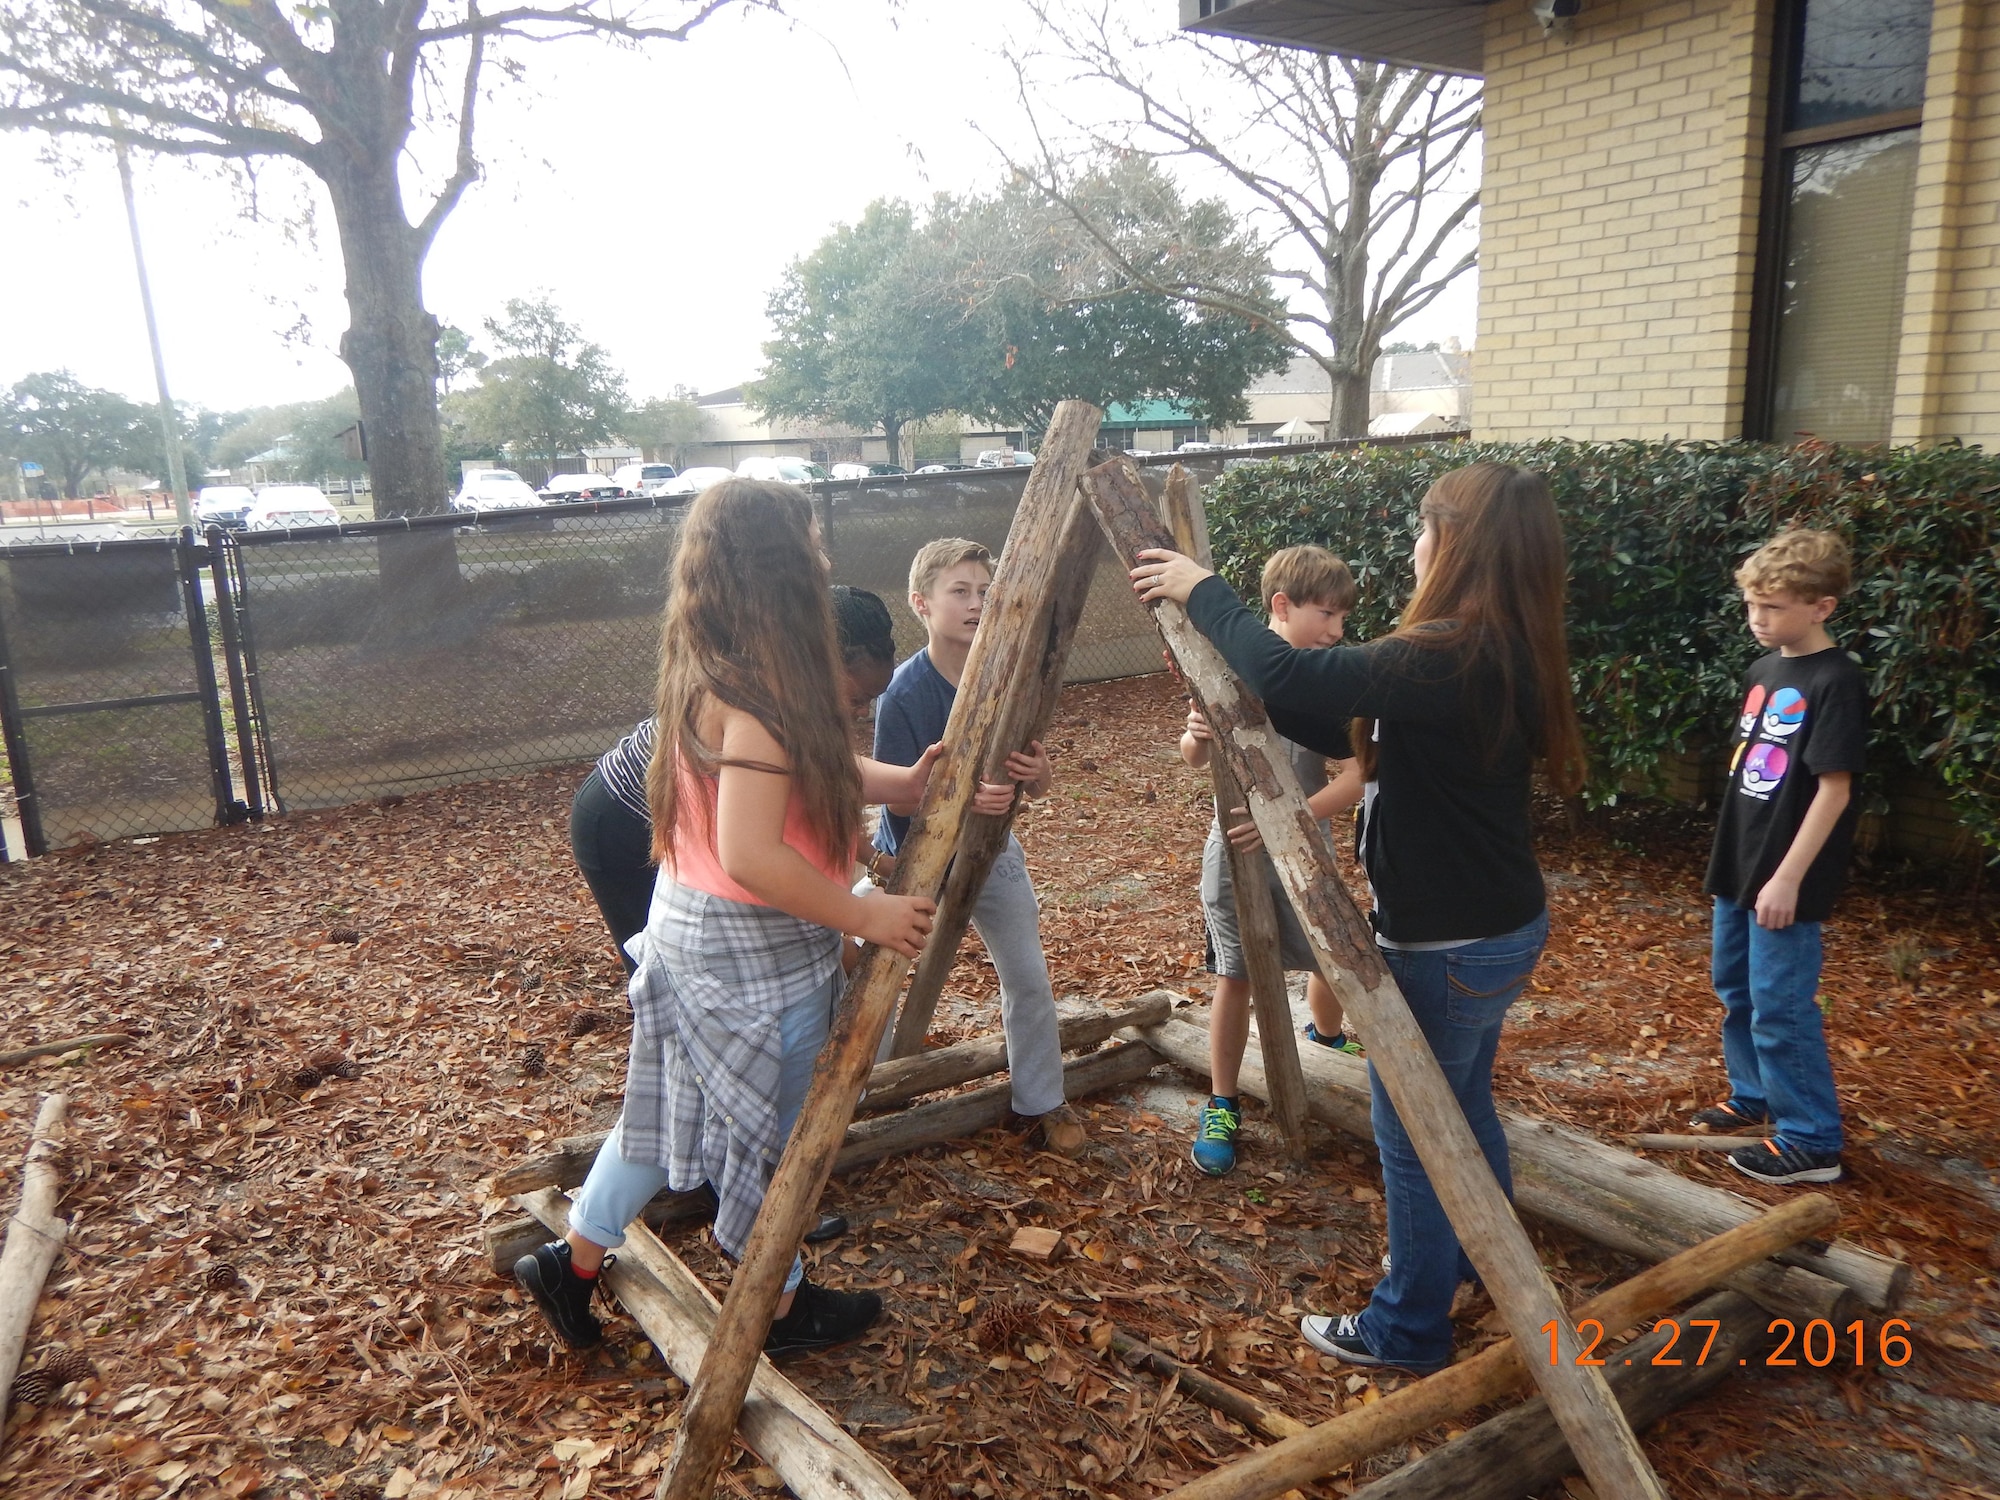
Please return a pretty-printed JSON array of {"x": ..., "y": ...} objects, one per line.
[{"x": 583, "y": 1275}]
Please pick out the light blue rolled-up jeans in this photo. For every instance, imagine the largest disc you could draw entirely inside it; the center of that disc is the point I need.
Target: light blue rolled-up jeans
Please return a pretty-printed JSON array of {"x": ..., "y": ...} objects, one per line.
[{"x": 616, "y": 1189}]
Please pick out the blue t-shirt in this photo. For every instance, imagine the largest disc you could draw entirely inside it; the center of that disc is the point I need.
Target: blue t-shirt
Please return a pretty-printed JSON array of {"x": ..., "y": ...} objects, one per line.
[{"x": 909, "y": 718}]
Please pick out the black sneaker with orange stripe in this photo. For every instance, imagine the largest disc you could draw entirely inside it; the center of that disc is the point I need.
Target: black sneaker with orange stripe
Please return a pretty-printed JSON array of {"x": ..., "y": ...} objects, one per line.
[
  {"x": 1728, "y": 1118},
  {"x": 1774, "y": 1162}
]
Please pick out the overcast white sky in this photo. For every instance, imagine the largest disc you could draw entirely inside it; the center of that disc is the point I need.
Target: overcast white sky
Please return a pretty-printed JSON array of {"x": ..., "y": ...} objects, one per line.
[{"x": 657, "y": 195}]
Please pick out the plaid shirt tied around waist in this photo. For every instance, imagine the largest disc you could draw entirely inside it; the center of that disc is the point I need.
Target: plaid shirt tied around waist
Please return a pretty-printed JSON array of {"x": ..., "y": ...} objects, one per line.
[{"x": 701, "y": 1084}]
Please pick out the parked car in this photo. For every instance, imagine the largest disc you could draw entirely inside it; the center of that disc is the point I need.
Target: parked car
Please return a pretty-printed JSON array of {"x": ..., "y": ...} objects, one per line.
[
  {"x": 494, "y": 489},
  {"x": 224, "y": 504},
  {"x": 1192, "y": 447},
  {"x": 645, "y": 479},
  {"x": 944, "y": 468},
  {"x": 1004, "y": 458},
  {"x": 563, "y": 488},
  {"x": 783, "y": 470},
  {"x": 694, "y": 481},
  {"x": 884, "y": 470},
  {"x": 280, "y": 507},
  {"x": 852, "y": 471}
]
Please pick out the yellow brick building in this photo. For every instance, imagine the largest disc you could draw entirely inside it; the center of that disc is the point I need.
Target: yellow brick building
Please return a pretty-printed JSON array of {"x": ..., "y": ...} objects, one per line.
[{"x": 1716, "y": 218}]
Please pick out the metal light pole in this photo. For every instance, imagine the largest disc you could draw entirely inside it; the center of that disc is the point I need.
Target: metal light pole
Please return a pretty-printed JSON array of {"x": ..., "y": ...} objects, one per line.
[{"x": 169, "y": 419}]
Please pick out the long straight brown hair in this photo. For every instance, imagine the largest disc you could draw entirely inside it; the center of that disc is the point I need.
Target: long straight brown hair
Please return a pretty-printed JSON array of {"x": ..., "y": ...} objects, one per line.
[
  {"x": 1495, "y": 592},
  {"x": 749, "y": 623}
]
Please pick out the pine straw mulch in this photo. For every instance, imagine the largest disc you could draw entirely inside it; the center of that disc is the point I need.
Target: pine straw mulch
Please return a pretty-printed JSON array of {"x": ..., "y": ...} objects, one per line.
[{"x": 276, "y": 1269}]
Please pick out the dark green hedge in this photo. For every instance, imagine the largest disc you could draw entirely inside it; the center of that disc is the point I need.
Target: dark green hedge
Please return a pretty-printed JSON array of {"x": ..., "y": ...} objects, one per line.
[{"x": 1656, "y": 627}]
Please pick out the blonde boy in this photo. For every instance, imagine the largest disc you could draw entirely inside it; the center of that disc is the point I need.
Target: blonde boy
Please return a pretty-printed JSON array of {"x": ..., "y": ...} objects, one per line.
[
  {"x": 1308, "y": 594},
  {"x": 1780, "y": 855},
  {"x": 948, "y": 583}
]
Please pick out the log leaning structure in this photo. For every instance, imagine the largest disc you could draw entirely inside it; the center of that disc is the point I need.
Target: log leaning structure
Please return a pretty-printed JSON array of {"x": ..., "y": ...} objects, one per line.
[
  {"x": 1016, "y": 625},
  {"x": 1344, "y": 944},
  {"x": 34, "y": 1238}
]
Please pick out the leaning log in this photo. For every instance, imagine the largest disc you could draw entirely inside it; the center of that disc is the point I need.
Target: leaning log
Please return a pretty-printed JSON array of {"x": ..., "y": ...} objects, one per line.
[
  {"x": 1560, "y": 1177},
  {"x": 806, "y": 1447},
  {"x": 1344, "y": 944},
  {"x": 1504, "y": 1368},
  {"x": 1520, "y": 1452},
  {"x": 1014, "y": 628},
  {"x": 34, "y": 1235},
  {"x": 872, "y": 1140}
]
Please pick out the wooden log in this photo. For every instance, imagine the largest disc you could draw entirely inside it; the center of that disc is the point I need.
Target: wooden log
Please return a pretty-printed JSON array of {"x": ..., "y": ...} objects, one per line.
[
  {"x": 1695, "y": 1142},
  {"x": 1032, "y": 707},
  {"x": 1650, "y": 1217},
  {"x": 68, "y": 1044},
  {"x": 870, "y": 1141},
  {"x": 34, "y": 1235},
  {"x": 1258, "y": 1416},
  {"x": 1504, "y": 1368},
  {"x": 800, "y": 1441},
  {"x": 1344, "y": 943},
  {"x": 1521, "y": 1451},
  {"x": 1256, "y": 909},
  {"x": 565, "y": 1164},
  {"x": 1014, "y": 626}
]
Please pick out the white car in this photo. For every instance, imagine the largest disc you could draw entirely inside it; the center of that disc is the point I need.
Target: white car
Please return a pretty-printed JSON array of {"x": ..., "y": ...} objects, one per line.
[
  {"x": 648, "y": 480},
  {"x": 563, "y": 488},
  {"x": 851, "y": 471},
  {"x": 494, "y": 489},
  {"x": 784, "y": 470},
  {"x": 1004, "y": 458},
  {"x": 224, "y": 504},
  {"x": 694, "y": 481},
  {"x": 288, "y": 507}
]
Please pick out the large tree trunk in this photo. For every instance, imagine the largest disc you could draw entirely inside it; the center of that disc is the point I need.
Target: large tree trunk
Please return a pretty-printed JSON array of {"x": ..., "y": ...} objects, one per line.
[
  {"x": 892, "y": 434},
  {"x": 391, "y": 339}
]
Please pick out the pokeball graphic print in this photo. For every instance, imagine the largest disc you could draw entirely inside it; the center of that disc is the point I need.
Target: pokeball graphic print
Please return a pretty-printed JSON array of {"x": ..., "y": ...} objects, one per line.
[
  {"x": 1764, "y": 770},
  {"x": 1785, "y": 714},
  {"x": 1753, "y": 705}
]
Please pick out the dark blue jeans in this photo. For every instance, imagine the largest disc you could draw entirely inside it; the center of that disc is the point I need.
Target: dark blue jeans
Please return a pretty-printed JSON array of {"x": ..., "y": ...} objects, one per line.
[
  {"x": 1773, "y": 1037},
  {"x": 1459, "y": 997}
]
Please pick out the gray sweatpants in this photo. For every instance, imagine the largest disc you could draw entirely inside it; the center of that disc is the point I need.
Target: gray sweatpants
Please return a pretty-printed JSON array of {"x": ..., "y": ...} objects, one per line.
[{"x": 1009, "y": 922}]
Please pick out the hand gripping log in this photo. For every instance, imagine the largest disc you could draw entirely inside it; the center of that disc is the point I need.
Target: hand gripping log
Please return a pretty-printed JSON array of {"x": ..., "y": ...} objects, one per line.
[
  {"x": 1016, "y": 624},
  {"x": 1256, "y": 909},
  {"x": 1578, "y": 1398}
]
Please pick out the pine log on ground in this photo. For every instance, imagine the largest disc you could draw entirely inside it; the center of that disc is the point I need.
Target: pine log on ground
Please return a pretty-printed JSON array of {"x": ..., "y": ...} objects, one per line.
[
  {"x": 1503, "y": 1368},
  {"x": 798, "y": 1439},
  {"x": 1258, "y": 1416},
  {"x": 1014, "y": 628},
  {"x": 67, "y": 1044},
  {"x": 1520, "y": 1451},
  {"x": 1567, "y": 1178},
  {"x": 1694, "y": 1142},
  {"x": 34, "y": 1236},
  {"x": 869, "y": 1141},
  {"x": 1344, "y": 948}
]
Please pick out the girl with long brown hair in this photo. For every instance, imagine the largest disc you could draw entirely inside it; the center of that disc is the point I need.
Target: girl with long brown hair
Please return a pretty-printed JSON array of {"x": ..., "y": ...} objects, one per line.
[
  {"x": 756, "y": 799},
  {"x": 1454, "y": 711}
]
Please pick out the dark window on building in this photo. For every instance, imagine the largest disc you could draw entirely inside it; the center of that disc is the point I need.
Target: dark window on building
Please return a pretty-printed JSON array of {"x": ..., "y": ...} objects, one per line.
[{"x": 1848, "y": 103}]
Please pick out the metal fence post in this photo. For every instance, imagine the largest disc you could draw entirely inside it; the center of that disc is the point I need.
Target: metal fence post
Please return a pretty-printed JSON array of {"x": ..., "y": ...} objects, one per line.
[
  {"x": 187, "y": 564},
  {"x": 32, "y": 838},
  {"x": 221, "y": 557}
]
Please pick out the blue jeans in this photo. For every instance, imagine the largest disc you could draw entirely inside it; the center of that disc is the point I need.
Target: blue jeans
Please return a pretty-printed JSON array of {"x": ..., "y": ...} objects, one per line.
[
  {"x": 1773, "y": 1037},
  {"x": 616, "y": 1189},
  {"x": 1459, "y": 997}
]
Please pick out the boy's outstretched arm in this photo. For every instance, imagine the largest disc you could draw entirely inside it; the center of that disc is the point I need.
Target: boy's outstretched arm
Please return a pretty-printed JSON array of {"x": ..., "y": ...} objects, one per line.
[{"x": 1778, "y": 901}]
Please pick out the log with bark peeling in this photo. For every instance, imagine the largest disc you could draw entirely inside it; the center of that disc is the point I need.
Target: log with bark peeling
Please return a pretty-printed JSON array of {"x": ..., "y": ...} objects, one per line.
[
  {"x": 1565, "y": 1177},
  {"x": 799, "y": 1440},
  {"x": 1014, "y": 628},
  {"x": 1345, "y": 946},
  {"x": 34, "y": 1236}
]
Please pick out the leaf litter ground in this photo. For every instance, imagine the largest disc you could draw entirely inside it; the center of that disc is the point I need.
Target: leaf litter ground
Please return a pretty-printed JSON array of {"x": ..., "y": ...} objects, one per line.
[{"x": 347, "y": 1020}]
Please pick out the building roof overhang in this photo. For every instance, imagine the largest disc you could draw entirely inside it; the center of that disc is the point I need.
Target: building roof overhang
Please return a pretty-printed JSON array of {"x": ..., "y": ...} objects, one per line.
[{"x": 1445, "y": 36}]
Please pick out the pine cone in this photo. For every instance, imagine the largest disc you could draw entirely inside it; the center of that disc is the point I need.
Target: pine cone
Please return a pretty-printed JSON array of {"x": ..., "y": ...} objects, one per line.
[
  {"x": 35, "y": 1388},
  {"x": 344, "y": 935},
  {"x": 308, "y": 1078},
  {"x": 66, "y": 1365},
  {"x": 391, "y": 799},
  {"x": 1003, "y": 1323},
  {"x": 583, "y": 1022},
  {"x": 221, "y": 1276},
  {"x": 534, "y": 1063}
]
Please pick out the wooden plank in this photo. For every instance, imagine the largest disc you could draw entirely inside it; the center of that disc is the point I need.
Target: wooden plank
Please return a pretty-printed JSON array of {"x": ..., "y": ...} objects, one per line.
[
  {"x": 1559, "y": 1175},
  {"x": 808, "y": 1449},
  {"x": 1256, "y": 908},
  {"x": 1465, "y": 1186},
  {"x": 1030, "y": 709},
  {"x": 34, "y": 1236},
  {"x": 1018, "y": 604},
  {"x": 1504, "y": 1368}
]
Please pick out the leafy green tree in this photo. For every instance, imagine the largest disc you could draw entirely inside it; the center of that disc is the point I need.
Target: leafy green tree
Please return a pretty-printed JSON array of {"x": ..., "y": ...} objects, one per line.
[
  {"x": 344, "y": 89},
  {"x": 73, "y": 430},
  {"x": 305, "y": 433},
  {"x": 666, "y": 427},
  {"x": 549, "y": 392},
  {"x": 456, "y": 357}
]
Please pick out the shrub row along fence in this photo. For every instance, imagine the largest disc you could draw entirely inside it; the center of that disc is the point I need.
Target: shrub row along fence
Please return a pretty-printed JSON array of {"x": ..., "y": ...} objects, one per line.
[{"x": 1656, "y": 628}]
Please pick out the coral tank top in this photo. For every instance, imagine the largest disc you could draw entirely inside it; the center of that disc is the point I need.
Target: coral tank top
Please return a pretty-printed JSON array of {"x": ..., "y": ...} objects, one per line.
[{"x": 696, "y": 863}]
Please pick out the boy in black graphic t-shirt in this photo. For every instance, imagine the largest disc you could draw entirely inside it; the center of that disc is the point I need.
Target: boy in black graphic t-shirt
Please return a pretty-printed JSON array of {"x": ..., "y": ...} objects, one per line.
[{"x": 1781, "y": 847}]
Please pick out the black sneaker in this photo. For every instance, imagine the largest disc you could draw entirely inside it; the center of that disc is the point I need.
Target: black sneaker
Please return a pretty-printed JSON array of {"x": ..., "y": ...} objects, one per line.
[
  {"x": 1775, "y": 1162},
  {"x": 829, "y": 1227},
  {"x": 561, "y": 1294},
  {"x": 1726, "y": 1119},
  {"x": 821, "y": 1318}
]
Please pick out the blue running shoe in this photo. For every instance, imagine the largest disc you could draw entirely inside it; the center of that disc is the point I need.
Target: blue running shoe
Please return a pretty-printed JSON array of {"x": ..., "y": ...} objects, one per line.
[{"x": 1214, "y": 1149}]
